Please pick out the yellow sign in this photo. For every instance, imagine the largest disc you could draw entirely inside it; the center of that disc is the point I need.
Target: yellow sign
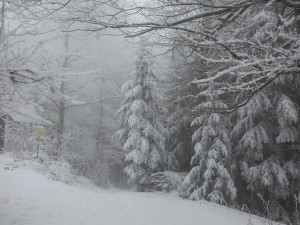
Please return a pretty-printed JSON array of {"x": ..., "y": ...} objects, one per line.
[
  {"x": 40, "y": 130},
  {"x": 39, "y": 139}
]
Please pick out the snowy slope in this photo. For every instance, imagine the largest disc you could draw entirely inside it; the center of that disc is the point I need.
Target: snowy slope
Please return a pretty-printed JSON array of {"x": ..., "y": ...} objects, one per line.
[{"x": 30, "y": 198}]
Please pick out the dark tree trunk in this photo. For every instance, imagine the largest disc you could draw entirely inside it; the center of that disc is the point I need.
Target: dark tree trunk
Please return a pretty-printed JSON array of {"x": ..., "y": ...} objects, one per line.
[{"x": 2, "y": 132}]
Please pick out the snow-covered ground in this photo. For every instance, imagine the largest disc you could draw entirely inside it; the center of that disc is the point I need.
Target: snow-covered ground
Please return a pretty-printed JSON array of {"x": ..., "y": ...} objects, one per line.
[{"x": 28, "y": 197}]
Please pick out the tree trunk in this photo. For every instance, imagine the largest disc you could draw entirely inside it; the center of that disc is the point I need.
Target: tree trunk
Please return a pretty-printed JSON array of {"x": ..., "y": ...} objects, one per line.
[
  {"x": 297, "y": 19},
  {"x": 2, "y": 30},
  {"x": 61, "y": 120},
  {"x": 100, "y": 144},
  {"x": 99, "y": 136},
  {"x": 2, "y": 132}
]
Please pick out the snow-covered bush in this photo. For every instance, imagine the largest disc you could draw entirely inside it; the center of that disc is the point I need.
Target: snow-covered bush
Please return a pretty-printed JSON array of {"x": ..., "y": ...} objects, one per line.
[
  {"x": 165, "y": 181},
  {"x": 59, "y": 170}
]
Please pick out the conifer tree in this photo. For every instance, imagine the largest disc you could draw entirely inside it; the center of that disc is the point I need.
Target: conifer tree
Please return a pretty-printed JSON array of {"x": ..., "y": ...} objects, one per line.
[
  {"x": 266, "y": 170},
  {"x": 141, "y": 133},
  {"x": 209, "y": 179}
]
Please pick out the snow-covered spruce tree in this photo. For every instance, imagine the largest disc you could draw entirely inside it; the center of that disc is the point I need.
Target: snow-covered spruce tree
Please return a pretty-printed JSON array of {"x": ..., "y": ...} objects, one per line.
[
  {"x": 141, "y": 133},
  {"x": 209, "y": 178},
  {"x": 287, "y": 111},
  {"x": 266, "y": 168}
]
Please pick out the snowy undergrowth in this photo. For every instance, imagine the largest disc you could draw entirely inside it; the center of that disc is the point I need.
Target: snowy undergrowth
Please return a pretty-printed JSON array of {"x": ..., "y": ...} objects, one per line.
[{"x": 58, "y": 170}]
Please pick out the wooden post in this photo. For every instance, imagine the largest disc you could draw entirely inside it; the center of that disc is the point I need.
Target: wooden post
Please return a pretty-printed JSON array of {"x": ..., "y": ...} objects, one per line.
[{"x": 38, "y": 149}]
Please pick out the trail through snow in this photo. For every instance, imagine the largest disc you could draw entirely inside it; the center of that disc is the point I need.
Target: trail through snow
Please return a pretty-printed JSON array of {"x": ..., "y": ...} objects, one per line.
[{"x": 30, "y": 198}]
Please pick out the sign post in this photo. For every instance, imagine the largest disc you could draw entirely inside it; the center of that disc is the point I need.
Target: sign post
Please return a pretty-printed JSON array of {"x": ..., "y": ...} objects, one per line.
[{"x": 40, "y": 132}]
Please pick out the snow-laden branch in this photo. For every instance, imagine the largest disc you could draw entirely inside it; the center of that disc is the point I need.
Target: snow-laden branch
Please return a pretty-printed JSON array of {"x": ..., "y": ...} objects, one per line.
[{"x": 80, "y": 103}]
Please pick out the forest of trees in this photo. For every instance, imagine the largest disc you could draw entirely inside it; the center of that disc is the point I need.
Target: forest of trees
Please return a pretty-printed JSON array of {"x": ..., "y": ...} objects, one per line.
[{"x": 222, "y": 106}]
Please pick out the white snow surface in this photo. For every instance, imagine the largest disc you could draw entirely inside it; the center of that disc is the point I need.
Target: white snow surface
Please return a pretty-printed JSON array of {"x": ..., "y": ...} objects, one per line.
[{"x": 28, "y": 197}]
